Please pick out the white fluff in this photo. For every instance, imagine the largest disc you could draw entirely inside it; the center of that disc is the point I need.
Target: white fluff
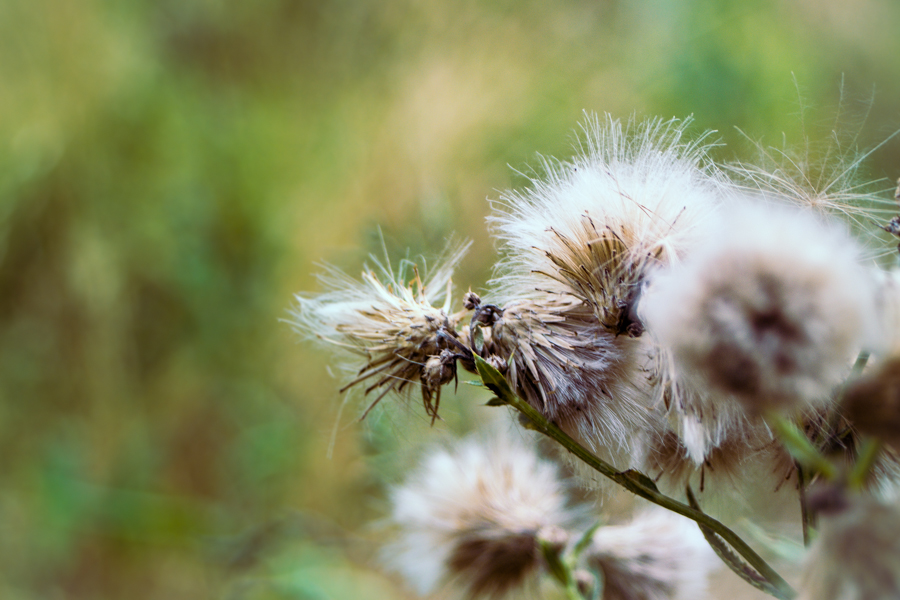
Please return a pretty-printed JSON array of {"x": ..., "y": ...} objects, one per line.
[
  {"x": 643, "y": 183},
  {"x": 657, "y": 556},
  {"x": 770, "y": 310},
  {"x": 474, "y": 496}
]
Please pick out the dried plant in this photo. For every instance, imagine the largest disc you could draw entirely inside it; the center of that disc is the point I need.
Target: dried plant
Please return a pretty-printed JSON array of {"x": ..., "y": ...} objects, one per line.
[{"x": 667, "y": 322}]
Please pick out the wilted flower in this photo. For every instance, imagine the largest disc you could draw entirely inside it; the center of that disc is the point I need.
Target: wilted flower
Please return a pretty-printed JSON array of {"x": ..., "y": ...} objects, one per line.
[
  {"x": 394, "y": 321},
  {"x": 571, "y": 368},
  {"x": 770, "y": 310},
  {"x": 856, "y": 555},
  {"x": 472, "y": 516},
  {"x": 592, "y": 227},
  {"x": 657, "y": 556}
]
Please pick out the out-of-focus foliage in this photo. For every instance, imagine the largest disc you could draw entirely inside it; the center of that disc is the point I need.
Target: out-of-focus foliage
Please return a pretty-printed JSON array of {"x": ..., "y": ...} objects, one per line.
[{"x": 171, "y": 172}]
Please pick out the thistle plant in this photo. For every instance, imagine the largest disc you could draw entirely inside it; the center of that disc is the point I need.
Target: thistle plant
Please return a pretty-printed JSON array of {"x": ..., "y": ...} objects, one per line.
[{"x": 674, "y": 326}]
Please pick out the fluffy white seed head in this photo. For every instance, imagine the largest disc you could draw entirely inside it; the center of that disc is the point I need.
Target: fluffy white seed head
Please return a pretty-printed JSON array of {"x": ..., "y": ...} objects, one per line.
[
  {"x": 657, "y": 556},
  {"x": 591, "y": 227},
  {"x": 394, "y": 320},
  {"x": 770, "y": 310},
  {"x": 856, "y": 555},
  {"x": 471, "y": 516}
]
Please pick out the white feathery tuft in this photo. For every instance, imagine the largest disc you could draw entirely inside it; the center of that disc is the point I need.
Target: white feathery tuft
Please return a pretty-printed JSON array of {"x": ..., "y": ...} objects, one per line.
[
  {"x": 591, "y": 227},
  {"x": 771, "y": 310},
  {"x": 471, "y": 516},
  {"x": 659, "y": 555}
]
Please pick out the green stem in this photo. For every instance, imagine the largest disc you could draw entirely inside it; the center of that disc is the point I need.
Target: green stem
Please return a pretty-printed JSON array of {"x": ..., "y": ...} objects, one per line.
[
  {"x": 868, "y": 452},
  {"x": 806, "y": 515},
  {"x": 561, "y": 568},
  {"x": 633, "y": 481},
  {"x": 800, "y": 447}
]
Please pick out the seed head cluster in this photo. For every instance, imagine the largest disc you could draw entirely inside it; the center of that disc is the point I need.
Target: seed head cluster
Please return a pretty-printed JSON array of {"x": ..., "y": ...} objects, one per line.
[
  {"x": 664, "y": 311},
  {"x": 651, "y": 303}
]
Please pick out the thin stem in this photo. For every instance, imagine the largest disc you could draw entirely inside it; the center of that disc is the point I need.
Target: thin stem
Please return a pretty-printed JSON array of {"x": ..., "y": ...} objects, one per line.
[
  {"x": 633, "y": 481},
  {"x": 868, "y": 452},
  {"x": 806, "y": 516},
  {"x": 560, "y": 565},
  {"x": 800, "y": 447}
]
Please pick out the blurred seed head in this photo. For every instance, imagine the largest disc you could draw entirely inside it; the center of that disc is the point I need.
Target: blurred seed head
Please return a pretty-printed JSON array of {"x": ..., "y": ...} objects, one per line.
[
  {"x": 872, "y": 403},
  {"x": 472, "y": 516},
  {"x": 856, "y": 555},
  {"x": 657, "y": 556},
  {"x": 402, "y": 326},
  {"x": 770, "y": 310}
]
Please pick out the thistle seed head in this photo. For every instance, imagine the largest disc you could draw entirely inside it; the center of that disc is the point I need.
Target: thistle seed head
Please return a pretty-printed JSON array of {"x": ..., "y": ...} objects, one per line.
[
  {"x": 472, "y": 516},
  {"x": 594, "y": 226},
  {"x": 401, "y": 326},
  {"x": 770, "y": 310},
  {"x": 567, "y": 365},
  {"x": 872, "y": 403},
  {"x": 856, "y": 554},
  {"x": 657, "y": 556}
]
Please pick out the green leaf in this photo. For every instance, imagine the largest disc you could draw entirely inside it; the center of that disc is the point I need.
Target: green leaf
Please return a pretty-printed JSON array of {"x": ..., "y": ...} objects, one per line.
[
  {"x": 585, "y": 539},
  {"x": 493, "y": 379}
]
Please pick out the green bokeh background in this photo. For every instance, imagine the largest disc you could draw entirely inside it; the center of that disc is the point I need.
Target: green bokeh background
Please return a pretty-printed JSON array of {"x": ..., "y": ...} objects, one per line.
[{"x": 171, "y": 172}]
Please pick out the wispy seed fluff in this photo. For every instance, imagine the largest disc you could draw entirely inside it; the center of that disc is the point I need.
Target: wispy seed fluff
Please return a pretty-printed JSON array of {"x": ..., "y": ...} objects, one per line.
[
  {"x": 828, "y": 184},
  {"x": 770, "y": 310},
  {"x": 657, "y": 556},
  {"x": 591, "y": 227},
  {"x": 471, "y": 515},
  {"x": 403, "y": 327},
  {"x": 856, "y": 555}
]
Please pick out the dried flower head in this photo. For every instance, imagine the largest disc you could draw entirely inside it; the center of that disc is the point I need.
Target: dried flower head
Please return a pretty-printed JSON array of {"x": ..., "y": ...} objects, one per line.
[
  {"x": 472, "y": 516},
  {"x": 404, "y": 327},
  {"x": 856, "y": 555},
  {"x": 657, "y": 556},
  {"x": 770, "y": 310},
  {"x": 592, "y": 227},
  {"x": 561, "y": 360}
]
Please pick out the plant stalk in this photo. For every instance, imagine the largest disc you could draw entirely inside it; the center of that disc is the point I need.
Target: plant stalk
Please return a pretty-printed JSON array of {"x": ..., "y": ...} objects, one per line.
[{"x": 633, "y": 481}]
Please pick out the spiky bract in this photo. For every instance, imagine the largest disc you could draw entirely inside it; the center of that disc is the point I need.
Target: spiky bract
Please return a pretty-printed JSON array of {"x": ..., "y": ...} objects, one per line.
[{"x": 400, "y": 324}]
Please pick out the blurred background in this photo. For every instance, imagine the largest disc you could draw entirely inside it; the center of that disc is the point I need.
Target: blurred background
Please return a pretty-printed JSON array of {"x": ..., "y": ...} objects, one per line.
[{"x": 172, "y": 172}]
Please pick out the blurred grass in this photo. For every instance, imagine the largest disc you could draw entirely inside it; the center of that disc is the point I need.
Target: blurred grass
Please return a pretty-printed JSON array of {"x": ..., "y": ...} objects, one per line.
[{"x": 171, "y": 172}]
